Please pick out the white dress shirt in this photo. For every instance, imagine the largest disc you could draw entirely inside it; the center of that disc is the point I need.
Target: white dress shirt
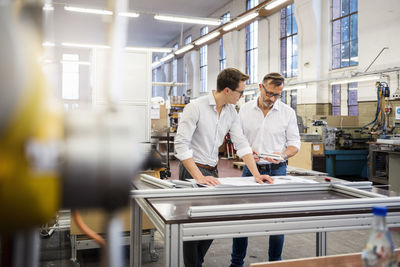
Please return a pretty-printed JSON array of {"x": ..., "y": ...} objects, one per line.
[
  {"x": 272, "y": 133},
  {"x": 201, "y": 131}
]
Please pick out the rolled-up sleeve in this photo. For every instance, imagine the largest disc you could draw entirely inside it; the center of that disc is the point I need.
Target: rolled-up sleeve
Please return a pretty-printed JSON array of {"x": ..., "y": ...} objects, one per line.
[
  {"x": 238, "y": 139},
  {"x": 186, "y": 128},
  {"x": 292, "y": 133}
]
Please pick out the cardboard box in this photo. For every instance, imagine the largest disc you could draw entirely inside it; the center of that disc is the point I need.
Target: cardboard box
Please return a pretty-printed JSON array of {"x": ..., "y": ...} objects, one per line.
[
  {"x": 318, "y": 149},
  {"x": 160, "y": 125},
  {"x": 338, "y": 121}
]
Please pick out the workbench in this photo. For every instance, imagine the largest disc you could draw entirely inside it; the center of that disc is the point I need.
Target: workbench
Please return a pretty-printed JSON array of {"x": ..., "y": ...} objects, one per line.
[{"x": 226, "y": 212}]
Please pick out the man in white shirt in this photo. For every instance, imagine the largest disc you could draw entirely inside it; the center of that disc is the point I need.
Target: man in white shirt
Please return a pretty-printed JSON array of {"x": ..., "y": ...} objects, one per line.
[
  {"x": 201, "y": 131},
  {"x": 270, "y": 127}
]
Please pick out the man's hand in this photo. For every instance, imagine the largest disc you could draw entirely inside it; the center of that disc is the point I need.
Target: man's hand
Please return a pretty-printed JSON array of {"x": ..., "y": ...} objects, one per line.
[
  {"x": 264, "y": 179},
  {"x": 274, "y": 161},
  {"x": 208, "y": 180},
  {"x": 255, "y": 155}
]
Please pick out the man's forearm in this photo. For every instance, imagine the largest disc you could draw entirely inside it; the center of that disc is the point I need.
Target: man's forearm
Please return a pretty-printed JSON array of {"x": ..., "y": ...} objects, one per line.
[
  {"x": 251, "y": 164},
  {"x": 192, "y": 168},
  {"x": 290, "y": 151}
]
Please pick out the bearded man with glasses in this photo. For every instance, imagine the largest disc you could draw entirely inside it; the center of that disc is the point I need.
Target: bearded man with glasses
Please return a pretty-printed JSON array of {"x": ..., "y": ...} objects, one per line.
[{"x": 271, "y": 128}]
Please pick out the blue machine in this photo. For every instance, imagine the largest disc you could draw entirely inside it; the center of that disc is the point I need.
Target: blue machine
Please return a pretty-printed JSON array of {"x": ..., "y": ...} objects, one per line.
[{"x": 341, "y": 163}]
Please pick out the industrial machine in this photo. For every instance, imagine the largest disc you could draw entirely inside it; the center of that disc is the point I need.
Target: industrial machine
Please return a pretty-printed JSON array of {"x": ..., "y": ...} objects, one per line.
[{"x": 49, "y": 160}]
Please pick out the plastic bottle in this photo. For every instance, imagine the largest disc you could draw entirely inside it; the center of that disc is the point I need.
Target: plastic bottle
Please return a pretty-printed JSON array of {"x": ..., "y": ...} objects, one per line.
[{"x": 379, "y": 250}]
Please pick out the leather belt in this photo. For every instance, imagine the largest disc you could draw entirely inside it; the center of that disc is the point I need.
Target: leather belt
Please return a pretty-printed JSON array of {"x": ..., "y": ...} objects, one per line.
[
  {"x": 208, "y": 167},
  {"x": 267, "y": 167}
]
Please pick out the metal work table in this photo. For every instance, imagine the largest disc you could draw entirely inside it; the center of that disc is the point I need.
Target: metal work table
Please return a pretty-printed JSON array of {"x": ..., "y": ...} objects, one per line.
[{"x": 211, "y": 213}]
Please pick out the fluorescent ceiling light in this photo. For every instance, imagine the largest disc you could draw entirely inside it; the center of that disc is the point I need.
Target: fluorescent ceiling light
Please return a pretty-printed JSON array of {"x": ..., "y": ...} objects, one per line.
[
  {"x": 48, "y": 7},
  {"x": 129, "y": 14},
  {"x": 84, "y": 45},
  {"x": 248, "y": 92},
  {"x": 85, "y": 63},
  {"x": 239, "y": 21},
  {"x": 88, "y": 10},
  {"x": 206, "y": 38},
  {"x": 274, "y": 4},
  {"x": 155, "y": 64},
  {"x": 357, "y": 79},
  {"x": 151, "y": 49},
  {"x": 194, "y": 20},
  {"x": 48, "y": 44},
  {"x": 184, "y": 49},
  {"x": 168, "y": 57},
  {"x": 295, "y": 86}
]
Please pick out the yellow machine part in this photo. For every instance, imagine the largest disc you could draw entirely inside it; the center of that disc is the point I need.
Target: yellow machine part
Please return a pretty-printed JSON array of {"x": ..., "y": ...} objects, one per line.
[{"x": 28, "y": 196}]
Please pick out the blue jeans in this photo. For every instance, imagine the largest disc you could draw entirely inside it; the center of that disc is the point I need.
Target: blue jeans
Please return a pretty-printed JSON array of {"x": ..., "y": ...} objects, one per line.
[{"x": 239, "y": 245}]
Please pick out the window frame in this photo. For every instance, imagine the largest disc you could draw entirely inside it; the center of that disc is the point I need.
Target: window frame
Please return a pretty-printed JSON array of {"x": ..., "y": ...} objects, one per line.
[
  {"x": 251, "y": 46},
  {"x": 341, "y": 43},
  {"x": 284, "y": 40}
]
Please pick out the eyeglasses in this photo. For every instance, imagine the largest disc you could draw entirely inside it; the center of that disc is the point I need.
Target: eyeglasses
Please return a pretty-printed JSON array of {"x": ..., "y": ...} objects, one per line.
[
  {"x": 240, "y": 92},
  {"x": 270, "y": 94}
]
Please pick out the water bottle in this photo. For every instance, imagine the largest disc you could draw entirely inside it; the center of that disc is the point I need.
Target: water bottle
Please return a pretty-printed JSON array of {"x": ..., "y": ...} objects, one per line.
[{"x": 379, "y": 250}]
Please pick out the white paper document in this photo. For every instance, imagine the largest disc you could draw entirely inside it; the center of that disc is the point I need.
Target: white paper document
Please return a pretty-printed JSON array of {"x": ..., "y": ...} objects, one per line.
[{"x": 249, "y": 181}]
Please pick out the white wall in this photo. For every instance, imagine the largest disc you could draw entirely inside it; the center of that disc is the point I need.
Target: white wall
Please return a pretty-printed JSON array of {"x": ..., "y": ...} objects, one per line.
[{"x": 378, "y": 27}]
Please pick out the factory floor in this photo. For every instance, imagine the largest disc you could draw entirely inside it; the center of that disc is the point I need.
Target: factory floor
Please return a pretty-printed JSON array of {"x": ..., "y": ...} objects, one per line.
[{"x": 56, "y": 250}]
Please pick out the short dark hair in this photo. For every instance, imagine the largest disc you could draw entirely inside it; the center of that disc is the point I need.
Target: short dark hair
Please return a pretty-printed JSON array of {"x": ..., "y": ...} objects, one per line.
[
  {"x": 230, "y": 78},
  {"x": 276, "y": 78}
]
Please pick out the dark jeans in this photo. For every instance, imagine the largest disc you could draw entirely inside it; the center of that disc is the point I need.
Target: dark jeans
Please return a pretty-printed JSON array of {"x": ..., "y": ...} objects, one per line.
[
  {"x": 239, "y": 245},
  {"x": 194, "y": 251}
]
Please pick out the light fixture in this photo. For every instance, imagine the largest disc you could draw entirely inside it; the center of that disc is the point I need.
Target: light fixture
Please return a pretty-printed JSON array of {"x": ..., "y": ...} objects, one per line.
[
  {"x": 84, "y": 63},
  {"x": 184, "y": 49},
  {"x": 129, "y": 14},
  {"x": 357, "y": 79},
  {"x": 294, "y": 87},
  {"x": 48, "y": 44},
  {"x": 239, "y": 21},
  {"x": 206, "y": 38},
  {"x": 193, "y": 20},
  {"x": 88, "y": 10},
  {"x": 48, "y": 7},
  {"x": 274, "y": 4},
  {"x": 84, "y": 45},
  {"x": 155, "y": 64},
  {"x": 150, "y": 49},
  {"x": 167, "y": 57}
]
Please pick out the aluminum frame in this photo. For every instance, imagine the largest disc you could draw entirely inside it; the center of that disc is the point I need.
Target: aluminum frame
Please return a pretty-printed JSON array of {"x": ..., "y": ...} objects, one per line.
[{"x": 175, "y": 234}]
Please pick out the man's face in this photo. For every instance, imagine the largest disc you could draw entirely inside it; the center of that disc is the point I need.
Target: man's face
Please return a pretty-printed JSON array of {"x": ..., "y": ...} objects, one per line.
[
  {"x": 270, "y": 93},
  {"x": 236, "y": 94}
]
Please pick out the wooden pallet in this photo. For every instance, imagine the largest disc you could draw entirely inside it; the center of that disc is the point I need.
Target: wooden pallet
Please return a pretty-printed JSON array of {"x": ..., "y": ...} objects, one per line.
[{"x": 238, "y": 164}]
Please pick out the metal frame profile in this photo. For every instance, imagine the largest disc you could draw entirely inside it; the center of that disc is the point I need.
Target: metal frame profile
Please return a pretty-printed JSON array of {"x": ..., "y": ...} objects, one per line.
[{"x": 239, "y": 221}]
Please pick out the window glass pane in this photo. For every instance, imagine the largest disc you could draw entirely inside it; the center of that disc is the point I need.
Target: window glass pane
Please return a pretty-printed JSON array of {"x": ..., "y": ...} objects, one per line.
[
  {"x": 354, "y": 53},
  {"x": 283, "y": 27},
  {"x": 336, "y": 32},
  {"x": 353, "y": 110},
  {"x": 345, "y": 29},
  {"x": 335, "y": 9},
  {"x": 295, "y": 42},
  {"x": 344, "y": 55},
  {"x": 289, "y": 47},
  {"x": 283, "y": 57},
  {"x": 293, "y": 99},
  {"x": 345, "y": 7},
  {"x": 353, "y": 85},
  {"x": 70, "y": 57},
  {"x": 283, "y": 98},
  {"x": 294, "y": 63},
  {"x": 353, "y": 6},
  {"x": 336, "y": 111},
  {"x": 336, "y": 56},
  {"x": 188, "y": 39},
  {"x": 336, "y": 95},
  {"x": 283, "y": 13},
  {"x": 288, "y": 10},
  {"x": 70, "y": 86},
  {"x": 353, "y": 27},
  {"x": 294, "y": 25},
  {"x": 353, "y": 97},
  {"x": 288, "y": 25}
]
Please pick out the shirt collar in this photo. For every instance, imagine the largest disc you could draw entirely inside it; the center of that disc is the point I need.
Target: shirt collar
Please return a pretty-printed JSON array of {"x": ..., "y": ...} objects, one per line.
[
  {"x": 211, "y": 98},
  {"x": 275, "y": 106}
]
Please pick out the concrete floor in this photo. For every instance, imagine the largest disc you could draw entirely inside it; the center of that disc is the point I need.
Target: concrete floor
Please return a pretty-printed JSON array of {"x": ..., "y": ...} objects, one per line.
[{"x": 56, "y": 250}]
